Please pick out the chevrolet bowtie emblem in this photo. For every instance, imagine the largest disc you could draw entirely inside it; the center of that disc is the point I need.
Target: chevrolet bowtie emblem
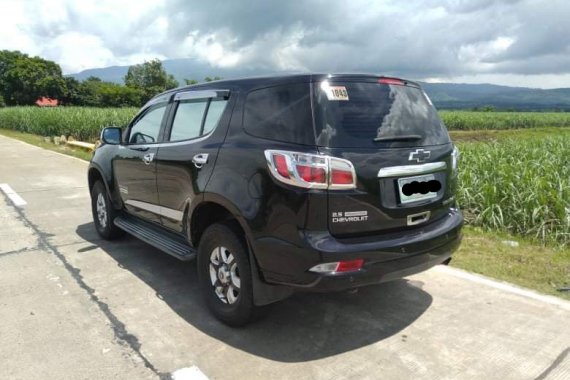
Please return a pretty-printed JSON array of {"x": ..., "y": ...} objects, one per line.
[{"x": 419, "y": 155}]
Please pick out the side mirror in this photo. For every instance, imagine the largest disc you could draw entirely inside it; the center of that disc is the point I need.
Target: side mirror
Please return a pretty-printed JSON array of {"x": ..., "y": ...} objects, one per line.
[{"x": 111, "y": 135}]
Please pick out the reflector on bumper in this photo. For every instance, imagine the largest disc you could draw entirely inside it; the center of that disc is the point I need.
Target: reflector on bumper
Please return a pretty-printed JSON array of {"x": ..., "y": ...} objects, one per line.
[{"x": 338, "y": 266}]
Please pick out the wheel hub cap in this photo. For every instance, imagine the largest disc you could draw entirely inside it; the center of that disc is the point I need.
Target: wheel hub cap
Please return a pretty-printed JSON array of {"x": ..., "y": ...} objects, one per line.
[{"x": 224, "y": 275}]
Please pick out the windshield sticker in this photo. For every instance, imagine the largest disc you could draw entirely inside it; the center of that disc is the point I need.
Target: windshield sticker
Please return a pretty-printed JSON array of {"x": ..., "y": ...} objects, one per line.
[{"x": 336, "y": 93}]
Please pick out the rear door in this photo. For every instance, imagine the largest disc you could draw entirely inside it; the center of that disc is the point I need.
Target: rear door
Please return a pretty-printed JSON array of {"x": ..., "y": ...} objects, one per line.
[
  {"x": 135, "y": 167},
  {"x": 399, "y": 147},
  {"x": 185, "y": 161}
]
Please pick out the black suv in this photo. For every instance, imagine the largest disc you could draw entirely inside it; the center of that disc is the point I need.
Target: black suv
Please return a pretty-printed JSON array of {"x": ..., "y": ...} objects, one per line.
[{"x": 278, "y": 184}]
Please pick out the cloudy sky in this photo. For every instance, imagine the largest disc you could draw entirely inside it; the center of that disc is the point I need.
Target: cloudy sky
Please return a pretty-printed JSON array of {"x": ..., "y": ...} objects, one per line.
[{"x": 513, "y": 42}]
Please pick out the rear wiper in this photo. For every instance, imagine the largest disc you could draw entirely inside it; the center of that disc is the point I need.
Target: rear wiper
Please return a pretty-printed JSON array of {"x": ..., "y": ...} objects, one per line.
[{"x": 399, "y": 138}]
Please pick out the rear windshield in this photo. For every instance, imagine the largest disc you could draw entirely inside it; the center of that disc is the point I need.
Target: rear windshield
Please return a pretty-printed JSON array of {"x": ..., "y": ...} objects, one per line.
[{"x": 374, "y": 115}]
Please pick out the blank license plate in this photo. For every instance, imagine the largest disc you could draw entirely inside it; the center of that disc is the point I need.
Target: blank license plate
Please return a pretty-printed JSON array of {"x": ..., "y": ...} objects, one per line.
[{"x": 416, "y": 196}]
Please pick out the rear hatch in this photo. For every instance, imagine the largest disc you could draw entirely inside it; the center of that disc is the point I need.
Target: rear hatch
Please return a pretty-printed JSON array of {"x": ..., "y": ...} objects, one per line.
[{"x": 402, "y": 155}]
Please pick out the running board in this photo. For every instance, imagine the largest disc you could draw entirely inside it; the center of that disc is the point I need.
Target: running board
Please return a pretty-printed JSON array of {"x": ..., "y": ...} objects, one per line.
[{"x": 166, "y": 241}]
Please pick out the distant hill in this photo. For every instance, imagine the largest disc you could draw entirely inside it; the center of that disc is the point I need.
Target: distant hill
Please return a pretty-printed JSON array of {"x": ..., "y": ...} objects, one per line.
[
  {"x": 444, "y": 95},
  {"x": 461, "y": 96},
  {"x": 180, "y": 68}
]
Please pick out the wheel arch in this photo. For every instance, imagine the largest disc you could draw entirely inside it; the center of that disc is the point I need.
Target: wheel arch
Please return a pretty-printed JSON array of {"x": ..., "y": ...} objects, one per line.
[
  {"x": 94, "y": 174},
  {"x": 215, "y": 209}
]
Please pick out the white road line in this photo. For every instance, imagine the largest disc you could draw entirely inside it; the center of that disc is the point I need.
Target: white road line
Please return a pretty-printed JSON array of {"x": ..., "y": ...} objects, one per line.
[
  {"x": 503, "y": 286},
  {"x": 17, "y": 200},
  {"x": 189, "y": 373}
]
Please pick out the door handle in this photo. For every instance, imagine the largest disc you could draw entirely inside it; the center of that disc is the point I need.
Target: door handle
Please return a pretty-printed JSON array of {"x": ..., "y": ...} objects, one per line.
[
  {"x": 200, "y": 159},
  {"x": 147, "y": 158},
  {"x": 141, "y": 149}
]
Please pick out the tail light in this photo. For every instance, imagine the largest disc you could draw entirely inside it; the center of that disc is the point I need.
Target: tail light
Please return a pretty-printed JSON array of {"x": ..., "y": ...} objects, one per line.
[{"x": 311, "y": 170}]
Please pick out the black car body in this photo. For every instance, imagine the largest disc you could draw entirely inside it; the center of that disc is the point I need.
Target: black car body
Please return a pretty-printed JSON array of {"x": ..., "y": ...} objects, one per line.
[{"x": 329, "y": 182}]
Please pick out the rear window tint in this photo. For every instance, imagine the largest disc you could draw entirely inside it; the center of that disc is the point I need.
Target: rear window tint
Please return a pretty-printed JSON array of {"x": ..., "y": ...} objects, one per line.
[
  {"x": 281, "y": 113},
  {"x": 370, "y": 110}
]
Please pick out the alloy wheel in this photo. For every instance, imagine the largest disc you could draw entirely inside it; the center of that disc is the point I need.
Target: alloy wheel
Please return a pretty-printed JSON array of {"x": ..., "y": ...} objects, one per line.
[
  {"x": 224, "y": 275},
  {"x": 101, "y": 210}
]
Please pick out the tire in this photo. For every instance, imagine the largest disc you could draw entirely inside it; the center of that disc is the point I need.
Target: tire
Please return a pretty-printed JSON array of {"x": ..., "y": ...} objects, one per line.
[
  {"x": 104, "y": 213},
  {"x": 225, "y": 276}
]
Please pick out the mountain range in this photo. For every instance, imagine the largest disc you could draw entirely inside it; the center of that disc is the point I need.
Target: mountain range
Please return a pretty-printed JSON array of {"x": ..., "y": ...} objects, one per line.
[{"x": 443, "y": 95}]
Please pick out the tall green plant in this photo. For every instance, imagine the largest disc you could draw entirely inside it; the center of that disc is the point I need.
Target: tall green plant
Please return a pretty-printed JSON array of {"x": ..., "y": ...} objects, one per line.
[{"x": 149, "y": 77}]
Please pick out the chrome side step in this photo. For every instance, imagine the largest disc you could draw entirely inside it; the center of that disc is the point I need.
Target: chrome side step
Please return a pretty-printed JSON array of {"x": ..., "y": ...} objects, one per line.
[{"x": 166, "y": 241}]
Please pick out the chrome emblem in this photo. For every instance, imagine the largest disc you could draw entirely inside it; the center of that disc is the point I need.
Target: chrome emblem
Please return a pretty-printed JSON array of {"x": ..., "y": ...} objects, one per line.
[{"x": 419, "y": 155}]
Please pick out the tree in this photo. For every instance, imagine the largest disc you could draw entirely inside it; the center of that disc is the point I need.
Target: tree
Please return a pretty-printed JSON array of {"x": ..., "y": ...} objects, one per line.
[
  {"x": 190, "y": 81},
  {"x": 72, "y": 94},
  {"x": 115, "y": 95},
  {"x": 149, "y": 77},
  {"x": 24, "y": 79},
  {"x": 93, "y": 92},
  {"x": 208, "y": 79}
]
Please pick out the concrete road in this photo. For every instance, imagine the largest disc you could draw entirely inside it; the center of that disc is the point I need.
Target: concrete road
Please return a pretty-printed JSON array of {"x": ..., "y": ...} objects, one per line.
[{"x": 75, "y": 307}]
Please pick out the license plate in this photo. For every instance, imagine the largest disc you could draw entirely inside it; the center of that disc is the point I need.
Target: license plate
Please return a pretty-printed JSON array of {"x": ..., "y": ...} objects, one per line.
[{"x": 416, "y": 196}]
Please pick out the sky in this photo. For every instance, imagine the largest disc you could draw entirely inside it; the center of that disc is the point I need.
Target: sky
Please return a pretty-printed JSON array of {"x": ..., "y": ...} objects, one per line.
[{"x": 510, "y": 42}]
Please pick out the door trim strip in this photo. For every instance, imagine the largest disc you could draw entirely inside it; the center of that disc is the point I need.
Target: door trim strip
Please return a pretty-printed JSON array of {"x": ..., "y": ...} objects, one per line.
[{"x": 158, "y": 210}]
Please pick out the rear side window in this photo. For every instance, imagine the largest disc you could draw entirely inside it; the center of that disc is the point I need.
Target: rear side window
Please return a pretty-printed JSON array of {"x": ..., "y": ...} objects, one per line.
[
  {"x": 281, "y": 113},
  {"x": 189, "y": 121},
  {"x": 215, "y": 111},
  {"x": 374, "y": 115}
]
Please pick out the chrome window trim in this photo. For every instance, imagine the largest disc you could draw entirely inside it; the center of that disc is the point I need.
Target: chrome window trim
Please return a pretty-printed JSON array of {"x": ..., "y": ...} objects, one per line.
[
  {"x": 184, "y": 142},
  {"x": 201, "y": 94},
  {"x": 410, "y": 170}
]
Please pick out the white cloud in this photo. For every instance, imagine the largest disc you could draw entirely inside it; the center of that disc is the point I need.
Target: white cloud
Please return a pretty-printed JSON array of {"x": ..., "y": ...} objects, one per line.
[
  {"x": 76, "y": 51},
  {"x": 12, "y": 23},
  {"x": 467, "y": 40}
]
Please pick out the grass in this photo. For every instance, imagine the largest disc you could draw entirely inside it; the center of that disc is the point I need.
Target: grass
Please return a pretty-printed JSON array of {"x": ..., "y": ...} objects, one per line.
[
  {"x": 83, "y": 123},
  {"x": 468, "y": 120},
  {"x": 514, "y": 185},
  {"x": 530, "y": 265},
  {"x": 39, "y": 141},
  {"x": 518, "y": 185},
  {"x": 499, "y": 135}
]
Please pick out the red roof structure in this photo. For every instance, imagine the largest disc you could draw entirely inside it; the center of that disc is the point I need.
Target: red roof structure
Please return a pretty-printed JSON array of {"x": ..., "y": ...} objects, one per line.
[{"x": 47, "y": 102}]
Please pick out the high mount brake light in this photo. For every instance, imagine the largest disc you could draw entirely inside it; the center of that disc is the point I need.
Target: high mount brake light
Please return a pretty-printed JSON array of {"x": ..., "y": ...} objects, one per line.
[
  {"x": 395, "y": 81},
  {"x": 311, "y": 170}
]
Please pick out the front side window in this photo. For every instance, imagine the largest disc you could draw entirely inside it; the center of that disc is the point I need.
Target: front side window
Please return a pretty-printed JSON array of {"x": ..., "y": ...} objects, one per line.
[{"x": 147, "y": 128}]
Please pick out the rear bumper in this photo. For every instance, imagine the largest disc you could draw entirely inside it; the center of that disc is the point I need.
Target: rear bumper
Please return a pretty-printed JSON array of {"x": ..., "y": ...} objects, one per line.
[{"x": 386, "y": 257}]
